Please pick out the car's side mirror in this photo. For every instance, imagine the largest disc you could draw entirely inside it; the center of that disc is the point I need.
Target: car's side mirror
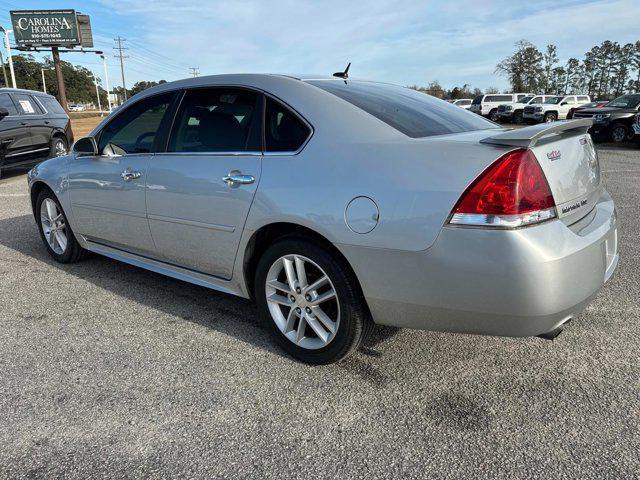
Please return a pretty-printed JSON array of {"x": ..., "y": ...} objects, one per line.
[
  {"x": 85, "y": 146},
  {"x": 3, "y": 113}
]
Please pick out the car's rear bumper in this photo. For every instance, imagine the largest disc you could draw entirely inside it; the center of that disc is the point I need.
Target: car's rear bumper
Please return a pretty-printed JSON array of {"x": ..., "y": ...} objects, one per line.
[{"x": 497, "y": 282}]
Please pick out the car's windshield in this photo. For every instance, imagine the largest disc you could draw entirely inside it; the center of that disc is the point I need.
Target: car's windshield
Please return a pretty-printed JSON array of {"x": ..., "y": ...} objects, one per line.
[
  {"x": 525, "y": 99},
  {"x": 553, "y": 100},
  {"x": 625, "y": 101},
  {"x": 413, "y": 113}
]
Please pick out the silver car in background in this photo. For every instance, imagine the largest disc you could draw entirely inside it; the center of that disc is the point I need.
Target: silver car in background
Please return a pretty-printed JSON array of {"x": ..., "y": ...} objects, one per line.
[{"x": 336, "y": 204}]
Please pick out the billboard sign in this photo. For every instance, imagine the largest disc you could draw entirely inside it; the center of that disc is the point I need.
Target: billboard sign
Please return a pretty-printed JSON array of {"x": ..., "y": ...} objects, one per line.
[{"x": 32, "y": 28}]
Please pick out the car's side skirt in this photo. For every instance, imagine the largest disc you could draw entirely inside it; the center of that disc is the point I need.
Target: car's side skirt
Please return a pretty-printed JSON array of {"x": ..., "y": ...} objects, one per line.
[{"x": 167, "y": 269}]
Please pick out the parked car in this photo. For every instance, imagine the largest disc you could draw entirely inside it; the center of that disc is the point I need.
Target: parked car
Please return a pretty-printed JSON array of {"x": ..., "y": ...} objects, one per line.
[
  {"x": 512, "y": 112},
  {"x": 487, "y": 105},
  {"x": 75, "y": 107},
  {"x": 636, "y": 128},
  {"x": 598, "y": 104},
  {"x": 615, "y": 121},
  {"x": 336, "y": 204},
  {"x": 463, "y": 102},
  {"x": 554, "y": 108},
  {"x": 33, "y": 126}
]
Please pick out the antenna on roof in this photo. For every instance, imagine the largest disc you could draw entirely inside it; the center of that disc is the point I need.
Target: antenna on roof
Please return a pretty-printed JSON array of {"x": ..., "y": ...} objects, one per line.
[{"x": 344, "y": 74}]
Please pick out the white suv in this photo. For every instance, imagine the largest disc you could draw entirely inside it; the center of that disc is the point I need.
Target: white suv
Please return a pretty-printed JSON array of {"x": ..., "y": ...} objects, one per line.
[
  {"x": 512, "y": 112},
  {"x": 554, "y": 108},
  {"x": 487, "y": 105},
  {"x": 463, "y": 103}
]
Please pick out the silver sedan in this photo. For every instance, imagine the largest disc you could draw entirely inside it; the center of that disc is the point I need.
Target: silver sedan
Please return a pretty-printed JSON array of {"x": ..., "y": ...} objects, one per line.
[{"x": 337, "y": 204}]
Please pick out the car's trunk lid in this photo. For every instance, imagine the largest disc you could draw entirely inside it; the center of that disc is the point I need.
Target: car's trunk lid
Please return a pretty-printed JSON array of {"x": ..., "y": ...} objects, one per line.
[{"x": 567, "y": 157}]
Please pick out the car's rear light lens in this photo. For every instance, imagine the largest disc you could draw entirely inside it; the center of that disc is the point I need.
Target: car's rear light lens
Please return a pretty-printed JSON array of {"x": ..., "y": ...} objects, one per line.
[{"x": 512, "y": 192}]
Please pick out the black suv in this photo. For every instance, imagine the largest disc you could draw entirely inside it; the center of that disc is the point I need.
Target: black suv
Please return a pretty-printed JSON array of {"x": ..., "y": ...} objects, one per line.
[
  {"x": 33, "y": 127},
  {"x": 615, "y": 121}
]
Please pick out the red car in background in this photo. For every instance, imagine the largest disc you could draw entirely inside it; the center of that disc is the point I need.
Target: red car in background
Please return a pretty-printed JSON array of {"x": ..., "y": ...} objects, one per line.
[{"x": 598, "y": 104}]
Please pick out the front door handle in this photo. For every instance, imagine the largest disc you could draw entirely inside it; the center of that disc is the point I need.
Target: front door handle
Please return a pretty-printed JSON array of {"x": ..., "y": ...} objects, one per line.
[
  {"x": 129, "y": 175},
  {"x": 237, "y": 178}
]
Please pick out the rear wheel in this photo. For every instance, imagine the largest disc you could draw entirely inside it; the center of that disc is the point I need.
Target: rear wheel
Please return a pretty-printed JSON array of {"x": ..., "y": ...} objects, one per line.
[
  {"x": 311, "y": 301},
  {"x": 619, "y": 133},
  {"x": 550, "y": 117},
  {"x": 59, "y": 147},
  {"x": 55, "y": 231}
]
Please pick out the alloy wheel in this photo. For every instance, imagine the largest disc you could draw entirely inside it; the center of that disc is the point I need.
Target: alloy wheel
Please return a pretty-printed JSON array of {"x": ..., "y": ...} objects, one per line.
[
  {"x": 53, "y": 226},
  {"x": 59, "y": 148},
  {"x": 302, "y": 301},
  {"x": 618, "y": 134}
]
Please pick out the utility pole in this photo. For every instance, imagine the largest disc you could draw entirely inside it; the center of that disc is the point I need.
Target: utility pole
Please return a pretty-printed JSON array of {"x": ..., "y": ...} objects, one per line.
[
  {"x": 95, "y": 80},
  {"x": 62, "y": 93},
  {"x": 4, "y": 70},
  {"x": 106, "y": 79},
  {"x": 44, "y": 82},
  {"x": 8, "y": 47},
  {"x": 119, "y": 55},
  {"x": 195, "y": 71}
]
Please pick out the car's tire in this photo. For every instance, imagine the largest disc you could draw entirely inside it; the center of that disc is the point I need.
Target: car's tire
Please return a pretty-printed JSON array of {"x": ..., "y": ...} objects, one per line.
[
  {"x": 517, "y": 117},
  {"x": 59, "y": 241},
  {"x": 332, "y": 328},
  {"x": 59, "y": 147},
  {"x": 493, "y": 115},
  {"x": 550, "y": 117},
  {"x": 618, "y": 133}
]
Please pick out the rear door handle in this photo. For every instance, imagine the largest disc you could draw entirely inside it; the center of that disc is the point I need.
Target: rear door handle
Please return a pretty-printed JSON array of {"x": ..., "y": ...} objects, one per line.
[
  {"x": 237, "y": 178},
  {"x": 129, "y": 175}
]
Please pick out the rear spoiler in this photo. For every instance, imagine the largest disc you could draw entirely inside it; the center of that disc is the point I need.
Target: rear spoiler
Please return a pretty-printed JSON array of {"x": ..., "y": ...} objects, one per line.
[{"x": 527, "y": 137}]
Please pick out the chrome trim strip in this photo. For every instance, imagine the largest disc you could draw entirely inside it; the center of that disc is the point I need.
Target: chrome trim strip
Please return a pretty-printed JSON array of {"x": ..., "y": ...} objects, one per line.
[
  {"x": 192, "y": 223},
  {"x": 26, "y": 153},
  {"x": 212, "y": 154}
]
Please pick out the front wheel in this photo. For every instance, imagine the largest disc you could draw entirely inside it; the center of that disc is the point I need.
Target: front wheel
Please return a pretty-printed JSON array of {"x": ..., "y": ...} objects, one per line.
[
  {"x": 618, "y": 133},
  {"x": 493, "y": 115},
  {"x": 550, "y": 117},
  {"x": 55, "y": 231},
  {"x": 517, "y": 117},
  {"x": 311, "y": 301}
]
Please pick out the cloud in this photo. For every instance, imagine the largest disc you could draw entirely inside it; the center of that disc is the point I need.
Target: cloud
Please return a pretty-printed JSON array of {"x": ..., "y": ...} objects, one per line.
[{"x": 405, "y": 42}]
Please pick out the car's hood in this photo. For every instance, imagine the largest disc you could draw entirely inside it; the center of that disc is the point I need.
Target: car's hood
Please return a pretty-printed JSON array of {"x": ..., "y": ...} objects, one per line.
[{"x": 608, "y": 110}]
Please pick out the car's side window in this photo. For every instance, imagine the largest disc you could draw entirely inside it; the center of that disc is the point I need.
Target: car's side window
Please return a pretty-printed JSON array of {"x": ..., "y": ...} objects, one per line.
[
  {"x": 520, "y": 97},
  {"x": 51, "y": 105},
  {"x": 217, "y": 120},
  {"x": 536, "y": 100},
  {"x": 570, "y": 100},
  {"x": 6, "y": 102},
  {"x": 583, "y": 99},
  {"x": 283, "y": 130},
  {"x": 27, "y": 105},
  {"x": 134, "y": 130}
]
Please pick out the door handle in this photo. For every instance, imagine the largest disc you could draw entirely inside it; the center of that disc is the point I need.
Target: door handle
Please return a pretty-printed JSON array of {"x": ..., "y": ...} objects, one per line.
[
  {"x": 237, "y": 178},
  {"x": 129, "y": 175}
]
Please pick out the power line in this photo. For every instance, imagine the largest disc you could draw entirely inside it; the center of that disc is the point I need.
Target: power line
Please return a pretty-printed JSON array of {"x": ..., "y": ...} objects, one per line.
[{"x": 121, "y": 56}]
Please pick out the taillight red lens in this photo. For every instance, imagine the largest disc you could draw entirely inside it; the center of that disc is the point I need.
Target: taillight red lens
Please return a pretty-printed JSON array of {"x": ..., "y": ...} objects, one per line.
[{"x": 514, "y": 184}]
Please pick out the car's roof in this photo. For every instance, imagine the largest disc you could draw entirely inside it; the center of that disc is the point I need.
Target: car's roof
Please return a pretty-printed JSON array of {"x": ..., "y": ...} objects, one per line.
[{"x": 23, "y": 90}]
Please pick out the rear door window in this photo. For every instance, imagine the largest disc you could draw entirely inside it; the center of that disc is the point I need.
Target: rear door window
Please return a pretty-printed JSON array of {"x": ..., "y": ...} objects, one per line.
[
  {"x": 413, "y": 113},
  {"x": 217, "y": 120},
  {"x": 51, "y": 105},
  {"x": 498, "y": 98},
  {"x": 283, "y": 130},
  {"x": 6, "y": 102},
  {"x": 520, "y": 97},
  {"x": 27, "y": 104}
]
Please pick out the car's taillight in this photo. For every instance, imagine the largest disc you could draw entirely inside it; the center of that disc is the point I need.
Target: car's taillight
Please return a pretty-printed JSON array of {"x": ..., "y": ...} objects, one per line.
[{"x": 512, "y": 192}]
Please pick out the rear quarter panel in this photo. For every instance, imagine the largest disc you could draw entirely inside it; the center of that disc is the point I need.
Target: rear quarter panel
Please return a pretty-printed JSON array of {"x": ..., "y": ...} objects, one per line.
[{"x": 414, "y": 182}]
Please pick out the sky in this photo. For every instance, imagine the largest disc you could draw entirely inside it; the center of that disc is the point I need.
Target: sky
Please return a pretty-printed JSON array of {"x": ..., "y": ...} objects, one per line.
[{"x": 408, "y": 42}]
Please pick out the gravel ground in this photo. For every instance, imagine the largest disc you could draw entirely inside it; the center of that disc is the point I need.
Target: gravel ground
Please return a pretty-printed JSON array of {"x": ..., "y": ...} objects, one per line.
[{"x": 107, "y": 370}]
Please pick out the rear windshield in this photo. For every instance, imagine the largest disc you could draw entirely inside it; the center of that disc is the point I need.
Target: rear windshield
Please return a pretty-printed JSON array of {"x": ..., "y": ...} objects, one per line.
[{"x": 413, "y": 113}]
